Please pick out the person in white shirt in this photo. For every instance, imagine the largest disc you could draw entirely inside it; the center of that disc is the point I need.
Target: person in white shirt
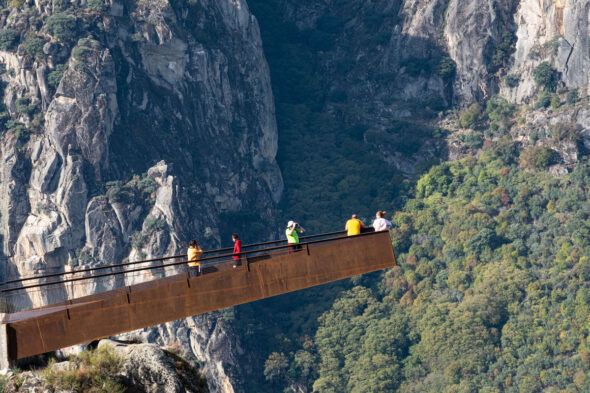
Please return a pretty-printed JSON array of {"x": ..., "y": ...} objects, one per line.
[{"x": 380, "y": 223}]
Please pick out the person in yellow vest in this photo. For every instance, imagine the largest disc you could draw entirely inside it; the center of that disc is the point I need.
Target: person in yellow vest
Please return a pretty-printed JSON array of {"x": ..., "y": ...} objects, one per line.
[
  {"x": 353, "y": 226},
  {"x": 293, "y": 230},
  {"x": 193, "y": 254}
]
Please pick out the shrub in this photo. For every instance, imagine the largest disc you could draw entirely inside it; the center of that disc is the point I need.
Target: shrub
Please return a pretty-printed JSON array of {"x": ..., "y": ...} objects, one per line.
[
  {"x": 275, "y": 367},
  {"x": 33, "y": 46},
  {"x": 138, "y": 240},
  {"x": 146, "y": 185},
  {"x": 97, "y": 5},
  {"x": 4, "y": 118},
  {"x": 116, "y": 192},
  {"x": 37, "y": 122},
  {"x": 8, "y": 39},
  {"x": 59, "y": 5},
  {"x": 504, "y": 49},
  {"x": 545, "y": 76},
  {"x": 473, "y": 140},
  {"x": 543, "y": 101},
  {"x": 555, "y": 101},
  {"x": 92, "y": 371},
  {"x": 84, "y": 48},
  {"x": 512, "y": 80},
  {"x": 63, "y": 26},
  {"x": 551, "y": 47},
  {"x": 538, "y": 158},
  {"x": 19, "y": 130},
  {"x": 85, "y": 257},
  {"x": 446, "y": 68},
  {"x": 416, "y": 66},
  {"x": 23, "y": 106},
  {"x": 153, "y": 224},
  {"x": 572, "y": 97},
  {"x": 470, "y": 115},
  {"x": 16, "y": 3},
  {"x": 137, "y": 37},
  {"x": 3, "y": 382},
  {"x": 55, "y": 76},
  {"x": 499, "y": 112}
]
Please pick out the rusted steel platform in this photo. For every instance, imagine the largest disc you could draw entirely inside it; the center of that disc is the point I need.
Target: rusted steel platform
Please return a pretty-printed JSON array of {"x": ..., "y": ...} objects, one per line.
[{"x": 134, "y": 307}]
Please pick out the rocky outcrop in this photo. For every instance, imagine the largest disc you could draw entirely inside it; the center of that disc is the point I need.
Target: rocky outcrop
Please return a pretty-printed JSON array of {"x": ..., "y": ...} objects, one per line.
[
  {"x": 211, "y": 340},
  {"x": 132, "y": 367},
  {"x": 556, "y": 32},
  {"x": 150, "y": 369}
]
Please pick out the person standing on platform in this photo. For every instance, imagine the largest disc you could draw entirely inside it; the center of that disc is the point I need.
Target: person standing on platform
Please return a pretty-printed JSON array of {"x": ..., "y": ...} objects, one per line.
[
  {"x": 381, "y": 223},
  {"x": 293, "y": 230},
  {"x": 193, "y": 255},
  {"x": 354, "y": 226},
  {"x": 237, "y": 249}
]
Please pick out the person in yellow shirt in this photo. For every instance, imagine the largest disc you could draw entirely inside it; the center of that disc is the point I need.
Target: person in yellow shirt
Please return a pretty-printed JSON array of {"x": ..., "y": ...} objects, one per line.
[
  {"x": 354, "y": 226},
  {"x": 193, "y": 254}
]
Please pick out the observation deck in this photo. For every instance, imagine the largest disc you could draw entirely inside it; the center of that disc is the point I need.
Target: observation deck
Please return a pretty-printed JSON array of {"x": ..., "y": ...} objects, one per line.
[{"x": 265, "y": 270}]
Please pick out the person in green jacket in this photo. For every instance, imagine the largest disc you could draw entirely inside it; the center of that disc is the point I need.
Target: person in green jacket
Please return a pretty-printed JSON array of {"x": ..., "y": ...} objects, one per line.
[{"x": 293, "y": 230}]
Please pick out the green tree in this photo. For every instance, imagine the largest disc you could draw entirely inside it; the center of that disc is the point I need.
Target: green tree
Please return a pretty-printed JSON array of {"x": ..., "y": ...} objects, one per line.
[
  {"x": 55, "y": 76},
  {"x": 275, "y": 367},
  {"x": 499, "y": 112},
  {"x": 470, "y": 115},
  {"x": 97, "y": 5},
  {"x": 63, "y": 26},
  {"x": 446, "y": 68},
  {"x": 33, "y": 46},
  {"x": 546, "y": 76},
  {"x": 8, "y": 39}
]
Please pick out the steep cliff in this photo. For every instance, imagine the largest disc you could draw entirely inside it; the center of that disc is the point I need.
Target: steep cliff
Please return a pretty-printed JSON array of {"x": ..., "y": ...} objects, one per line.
[
  {"x": 555, "y": 32},
  {"x": 130, "y": 127}
]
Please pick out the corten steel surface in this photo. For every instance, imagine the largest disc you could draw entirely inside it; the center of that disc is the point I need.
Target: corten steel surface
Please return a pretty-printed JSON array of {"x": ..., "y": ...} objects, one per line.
[{"x": 139, "y": 306}]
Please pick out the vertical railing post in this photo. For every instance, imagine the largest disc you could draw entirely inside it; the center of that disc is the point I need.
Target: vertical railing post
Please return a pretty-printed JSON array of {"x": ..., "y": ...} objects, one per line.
[
  {"x": 5, "y": 358},
  {"x": 188, "y": 275},
  {"x": 307, "y": 248}
]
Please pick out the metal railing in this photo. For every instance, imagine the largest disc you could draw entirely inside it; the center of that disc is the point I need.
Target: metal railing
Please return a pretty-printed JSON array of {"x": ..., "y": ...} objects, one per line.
[
  {"x": 133, "y": 263},
  {"x": 14, "y": 296}
]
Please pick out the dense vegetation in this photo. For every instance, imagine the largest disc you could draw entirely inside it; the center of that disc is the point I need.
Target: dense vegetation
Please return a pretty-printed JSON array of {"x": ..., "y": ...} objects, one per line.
[
  {"x": 491, "y": 294},
  {"x": 322, "y": 151}
]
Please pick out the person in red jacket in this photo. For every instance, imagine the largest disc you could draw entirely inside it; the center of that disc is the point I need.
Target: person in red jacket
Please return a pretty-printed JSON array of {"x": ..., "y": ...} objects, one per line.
[{"x": 237, "y": 248}]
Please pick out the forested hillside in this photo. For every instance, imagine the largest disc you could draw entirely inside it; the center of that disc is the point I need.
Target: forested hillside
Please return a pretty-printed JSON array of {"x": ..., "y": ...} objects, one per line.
[{"x": 491, "y": 293}]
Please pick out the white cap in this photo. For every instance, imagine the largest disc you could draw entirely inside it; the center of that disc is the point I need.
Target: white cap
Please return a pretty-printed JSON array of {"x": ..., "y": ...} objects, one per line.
[{"x": 290, "y": 223}]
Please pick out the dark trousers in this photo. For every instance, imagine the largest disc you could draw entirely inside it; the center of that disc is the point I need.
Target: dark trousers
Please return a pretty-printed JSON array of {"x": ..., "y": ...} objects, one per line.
[
  {"x": 294, "y": 248},
  {"x": 194, "y": 271}
]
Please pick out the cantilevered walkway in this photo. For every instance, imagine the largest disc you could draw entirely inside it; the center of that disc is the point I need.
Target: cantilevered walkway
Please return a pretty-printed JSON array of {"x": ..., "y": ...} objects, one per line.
[{"x": 266, "y": 269}]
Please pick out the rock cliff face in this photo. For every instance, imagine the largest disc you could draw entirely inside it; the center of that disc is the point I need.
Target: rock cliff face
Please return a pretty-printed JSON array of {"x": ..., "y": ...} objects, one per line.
[
  {"x": 556, "y": 32},
  {"x": 405, "y": 41},
  {"x": 129, "y": 127}
]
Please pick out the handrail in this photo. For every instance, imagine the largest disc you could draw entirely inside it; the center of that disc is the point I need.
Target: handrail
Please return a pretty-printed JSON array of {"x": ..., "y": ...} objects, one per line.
[
  {"x": 224, "y": 256},
  {"x": 51, "y": 275}
]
